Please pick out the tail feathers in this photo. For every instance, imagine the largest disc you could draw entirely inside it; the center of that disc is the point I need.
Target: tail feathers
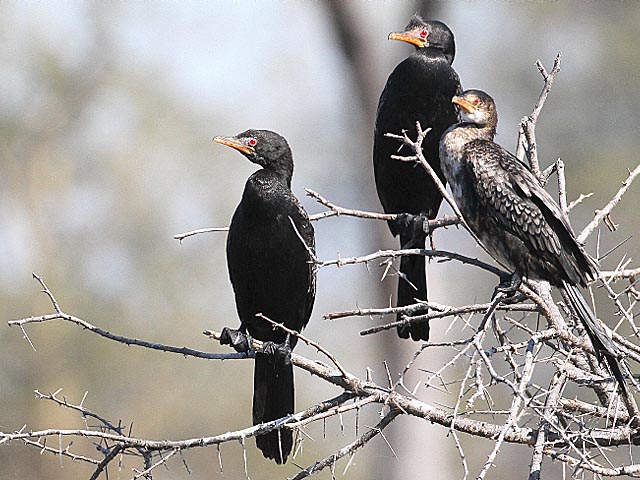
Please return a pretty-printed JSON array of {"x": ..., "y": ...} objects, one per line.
[
  {"x": 614, "y": 366},
  {"x": 602, "y": 344},
  {"x": 412, "y": 287},
  {"x": 273, "y": 398}
]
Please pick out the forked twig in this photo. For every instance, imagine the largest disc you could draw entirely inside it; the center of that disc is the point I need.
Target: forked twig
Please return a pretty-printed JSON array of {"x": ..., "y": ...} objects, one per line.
[{"x": 526, "y": 137}]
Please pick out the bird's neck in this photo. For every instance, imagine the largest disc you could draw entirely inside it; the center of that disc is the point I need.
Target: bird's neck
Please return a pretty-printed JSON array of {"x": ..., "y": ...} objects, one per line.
[
  {"x": 459, "y": 135},
  {"x": 473, "y": 131},
  {"x": 263, "y": 193},
  {"x": 274, "y": 174},
  {"x": 280, "y": 168},
  {"x": 284, "y": 172},
  {"x": 434, "y": 52}
]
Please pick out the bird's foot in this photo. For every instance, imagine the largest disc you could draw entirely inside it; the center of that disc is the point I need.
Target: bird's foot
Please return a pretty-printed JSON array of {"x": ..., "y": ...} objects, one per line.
[
  {"x": 413, "y": 226},
  {"x": 515, "y": 297},
  {"x": 239, "y": 340},
  {"x": 509, "y": 284},
  {"x": 278, "y": 352}
]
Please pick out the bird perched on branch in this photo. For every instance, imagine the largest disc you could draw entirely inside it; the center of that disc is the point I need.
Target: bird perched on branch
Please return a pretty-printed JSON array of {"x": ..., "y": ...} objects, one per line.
[
  {"x": 517, "y": 221},
  {"x": 419, "y": 89},
  {"x": 270, "y": 251}
]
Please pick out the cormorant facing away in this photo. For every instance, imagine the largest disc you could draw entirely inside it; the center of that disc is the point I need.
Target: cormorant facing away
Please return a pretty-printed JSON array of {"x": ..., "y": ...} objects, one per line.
[
  {"x": 518, "y": 222},
  {"x": 418, "y": 90},
  {"x": 272, "y": 272}
]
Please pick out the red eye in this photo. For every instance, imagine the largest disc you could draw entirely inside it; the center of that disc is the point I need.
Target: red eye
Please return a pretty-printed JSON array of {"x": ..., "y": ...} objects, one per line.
[
  {"x": 476, "y": 101},
  {"x": 423, "y": 33},
  {"x": 252, "y": 142}
]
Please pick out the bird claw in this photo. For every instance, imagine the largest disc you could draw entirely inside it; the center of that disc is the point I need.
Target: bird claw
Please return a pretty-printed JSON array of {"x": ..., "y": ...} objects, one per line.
[
  {"x": 240, "y": 341},
  {"x": 415, "y": 226},
  {"x": 509, "y": 284},
  {"x": 278, "y": 352},
  {"x": 513, "y": 298}
]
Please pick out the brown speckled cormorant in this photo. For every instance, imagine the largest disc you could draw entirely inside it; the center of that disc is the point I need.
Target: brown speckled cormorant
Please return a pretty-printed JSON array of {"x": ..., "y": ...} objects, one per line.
[
  {"x": 271, "y": 273},
  {"x": 515, "y": 218},
  {"x": 418, "y": 90}
]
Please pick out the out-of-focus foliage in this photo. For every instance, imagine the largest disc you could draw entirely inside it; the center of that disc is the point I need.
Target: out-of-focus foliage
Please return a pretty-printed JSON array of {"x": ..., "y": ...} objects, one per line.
[{"x": 106, "y": 116}]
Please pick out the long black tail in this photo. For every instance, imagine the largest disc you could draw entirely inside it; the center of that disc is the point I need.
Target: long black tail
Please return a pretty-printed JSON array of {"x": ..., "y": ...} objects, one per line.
[
  {"x": 273, "y": 399},
  {"x": 414, "y": 286},
  {"x": 602, "y": 344}
]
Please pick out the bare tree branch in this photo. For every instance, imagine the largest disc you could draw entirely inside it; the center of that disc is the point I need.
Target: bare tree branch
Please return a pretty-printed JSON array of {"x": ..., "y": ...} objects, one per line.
[
  {"x": 60, "y": 315},
  {"x": 526, "y": 138},
  {"x": 416, "y": 146},
  {"x": 349, "y": 449},
  {"x": 335, "y": 210},
  {"x": 442, "y": 311},
  {"x": 341, "y": 262},
  {"x": 609, "y": 206},
  {"x": 181, "y": 236}
]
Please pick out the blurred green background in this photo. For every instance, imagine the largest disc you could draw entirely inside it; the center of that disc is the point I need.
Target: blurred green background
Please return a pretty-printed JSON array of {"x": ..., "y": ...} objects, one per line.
[{"x": 107, "y": 113}]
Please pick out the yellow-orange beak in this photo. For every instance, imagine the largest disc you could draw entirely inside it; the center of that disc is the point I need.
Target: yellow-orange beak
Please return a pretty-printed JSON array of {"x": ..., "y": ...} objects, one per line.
[
  {"x": 235, "y": 144},
  {"x": 464, "y": 104},
  {"x": 409, "y": 38}
]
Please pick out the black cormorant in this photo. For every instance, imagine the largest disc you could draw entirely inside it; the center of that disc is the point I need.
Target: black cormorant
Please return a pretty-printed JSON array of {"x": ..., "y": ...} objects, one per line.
[
  {"x": 418, "y": 90},
  {"x": 517, "y": 221},
  {"x": 272, "y": 272}
]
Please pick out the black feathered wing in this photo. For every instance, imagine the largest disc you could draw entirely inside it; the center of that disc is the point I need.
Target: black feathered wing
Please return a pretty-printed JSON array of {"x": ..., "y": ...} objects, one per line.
[
  {"x": 518, "y": 204},
  {"x": 303, "y": 226},
  {"x": 515, "y": 202},
  {"x": 271, "y": 271}
]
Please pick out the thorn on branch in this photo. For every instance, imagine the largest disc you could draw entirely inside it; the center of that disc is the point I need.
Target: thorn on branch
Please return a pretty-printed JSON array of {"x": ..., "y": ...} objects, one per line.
[{"x": 347, "y": 376}]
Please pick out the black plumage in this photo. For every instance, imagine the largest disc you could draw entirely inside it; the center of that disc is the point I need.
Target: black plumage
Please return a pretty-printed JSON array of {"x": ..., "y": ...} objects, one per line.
[
  {"x": 418, "y": 90},
  {"x": 273, "y": 273},
  {"x": 515, "y": 218}
]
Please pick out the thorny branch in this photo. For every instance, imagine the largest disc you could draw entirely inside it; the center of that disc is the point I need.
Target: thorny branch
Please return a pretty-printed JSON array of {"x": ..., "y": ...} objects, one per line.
[
  {"x": 536, "y": 361},
  {"x": 443, "y": 311},
  {"x": 341, "y": 262},
  {"x": 334, "y": 210},
  {"x": 349, "y": 449},
  {"x": 60, "y": 315},
  {"x": 353, "y": 387}
]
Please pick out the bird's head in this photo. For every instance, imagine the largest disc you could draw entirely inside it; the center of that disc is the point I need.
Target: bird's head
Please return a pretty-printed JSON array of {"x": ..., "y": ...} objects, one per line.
[
  {"x": 477, "y": 107},
  {"x": 428, "y": 33},
  {"x": 259, "y": 146},
  {"x": 263, "y": 147}
]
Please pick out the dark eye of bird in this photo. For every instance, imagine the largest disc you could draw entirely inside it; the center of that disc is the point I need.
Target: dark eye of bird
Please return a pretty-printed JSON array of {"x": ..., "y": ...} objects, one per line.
[{"x": 252, "y": 142}]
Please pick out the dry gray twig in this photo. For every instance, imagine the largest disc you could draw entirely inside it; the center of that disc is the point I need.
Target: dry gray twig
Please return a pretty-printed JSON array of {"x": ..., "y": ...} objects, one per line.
[
  {"x": 606, "y": 210},
  {"x": 526, "y": 138},
  {"x": 181, "y": 236},
  {"x": 335, "y": 210}
]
